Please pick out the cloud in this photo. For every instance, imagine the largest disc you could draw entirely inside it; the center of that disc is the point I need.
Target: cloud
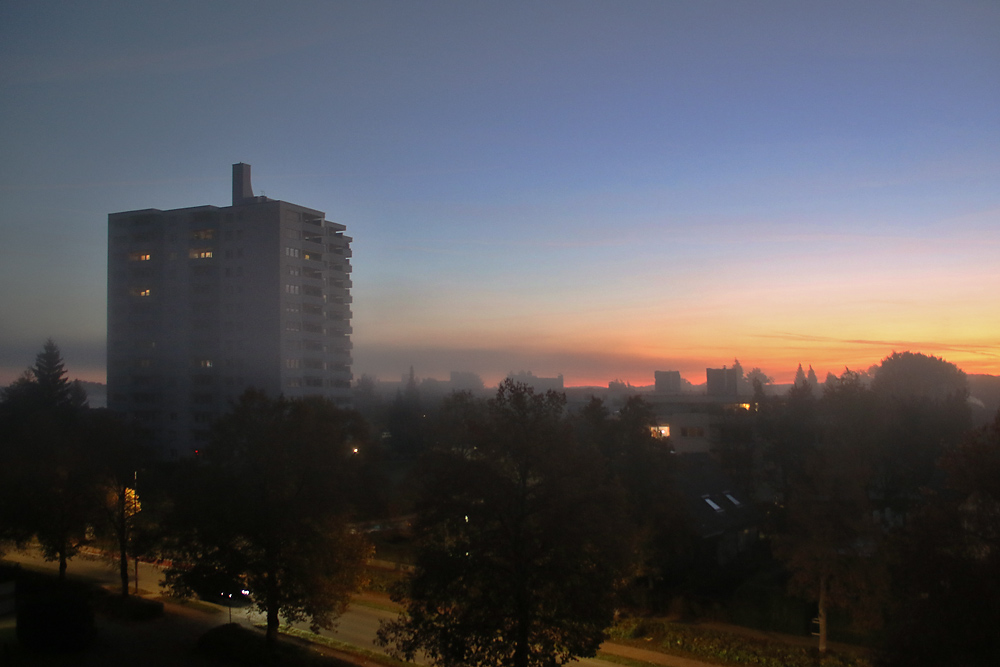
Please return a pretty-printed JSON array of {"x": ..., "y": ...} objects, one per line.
[{"x": 988, "y": 351}]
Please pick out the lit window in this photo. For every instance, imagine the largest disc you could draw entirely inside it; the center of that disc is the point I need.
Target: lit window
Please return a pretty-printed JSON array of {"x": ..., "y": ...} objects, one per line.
[
  {"x": 139, "y": 257},
  {"x": 314, "y": 256},
  {"x": 660, "y": 431},
  {"x": 200, "y": 253},
  {"x": 139, "y": 291},
  {"x": 204, "y": 363},
  {"x": 732, "y": 499}
]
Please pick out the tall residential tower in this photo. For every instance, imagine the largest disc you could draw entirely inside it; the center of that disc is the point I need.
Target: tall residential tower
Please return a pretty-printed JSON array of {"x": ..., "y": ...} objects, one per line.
[{"x": 206, "y": 302}]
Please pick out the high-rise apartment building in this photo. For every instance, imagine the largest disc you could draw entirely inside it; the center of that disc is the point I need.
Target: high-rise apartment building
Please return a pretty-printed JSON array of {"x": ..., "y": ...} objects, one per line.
[{"x": 206, "y": 302}]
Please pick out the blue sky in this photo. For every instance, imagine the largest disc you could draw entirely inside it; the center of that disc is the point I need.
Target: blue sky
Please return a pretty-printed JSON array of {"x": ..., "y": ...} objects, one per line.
[{"x": 598, "y": 189}]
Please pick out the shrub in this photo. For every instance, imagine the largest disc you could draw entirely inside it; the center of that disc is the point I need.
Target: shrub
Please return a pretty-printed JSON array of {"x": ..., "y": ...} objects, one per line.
[{"x": 726, "y": 647}]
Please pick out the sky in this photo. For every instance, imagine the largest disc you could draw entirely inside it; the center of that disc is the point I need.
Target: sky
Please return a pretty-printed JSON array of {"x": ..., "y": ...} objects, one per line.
[{"x": 589, "y": 188}]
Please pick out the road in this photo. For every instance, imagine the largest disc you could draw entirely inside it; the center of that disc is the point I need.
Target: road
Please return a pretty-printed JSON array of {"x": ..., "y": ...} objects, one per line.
[{"x": 357, "y": 627}]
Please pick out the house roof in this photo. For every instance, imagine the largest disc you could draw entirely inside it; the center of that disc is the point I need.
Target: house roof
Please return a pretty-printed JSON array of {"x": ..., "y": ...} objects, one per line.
[{"x": 714, "y": 506}]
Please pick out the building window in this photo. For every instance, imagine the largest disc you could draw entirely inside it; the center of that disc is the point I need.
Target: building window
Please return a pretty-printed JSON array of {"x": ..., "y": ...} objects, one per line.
[
  {"x": 292, "y": 363},
  {"x": 203, "y": 234},
  {"x": 293, "y": 270},
  {"x": 711, "y": 503},
  {"x": 203, "y": 363},
  {"x": 291, "y": 289},
  {"x": 313, "y": 256},
  {"x": 139, "y": 257},
  {"x": 200, "y": 253},
  {"x": 310, "y": 290},
  {"x": 291, "y": 252},
  {"x": 139, "y": 291}
]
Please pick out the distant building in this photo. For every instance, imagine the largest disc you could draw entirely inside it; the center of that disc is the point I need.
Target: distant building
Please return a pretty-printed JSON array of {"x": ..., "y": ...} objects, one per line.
[
  {"x": 466, "y": 381},
  {"x": 723, "y": 381},
  {"x": 206, "y": 302},
  {"x": 539, "y": 384},
  {"x": 667, "y": 382}
]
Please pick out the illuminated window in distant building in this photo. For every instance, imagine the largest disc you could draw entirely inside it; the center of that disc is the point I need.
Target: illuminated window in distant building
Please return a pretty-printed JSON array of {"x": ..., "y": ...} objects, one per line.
[
  {"x": 139, "y": 257},
  {"x": 200, "y": 253}
]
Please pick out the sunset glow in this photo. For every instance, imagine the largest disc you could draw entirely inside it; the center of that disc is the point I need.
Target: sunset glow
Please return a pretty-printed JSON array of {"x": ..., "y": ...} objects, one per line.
[{"x": 592, "y": 189}]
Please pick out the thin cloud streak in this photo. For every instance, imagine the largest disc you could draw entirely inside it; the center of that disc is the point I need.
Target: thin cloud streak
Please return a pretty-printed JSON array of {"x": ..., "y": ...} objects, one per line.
[{"x": 979, "y": 350}]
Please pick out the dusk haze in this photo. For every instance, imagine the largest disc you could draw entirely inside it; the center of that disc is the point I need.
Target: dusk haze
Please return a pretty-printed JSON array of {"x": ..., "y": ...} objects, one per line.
[{"x": 596, "y": 190}]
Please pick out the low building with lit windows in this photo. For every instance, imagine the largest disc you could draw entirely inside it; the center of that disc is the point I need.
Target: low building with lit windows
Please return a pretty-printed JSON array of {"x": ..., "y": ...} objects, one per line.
[{"x": 208, "y": 301}]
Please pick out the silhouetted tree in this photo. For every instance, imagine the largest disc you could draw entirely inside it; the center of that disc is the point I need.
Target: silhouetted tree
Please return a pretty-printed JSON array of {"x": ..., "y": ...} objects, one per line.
[
  {"x": 642, "y": 465},
  {"x": 830, "y": 542},
  {"x": 787, "y": 430},
  {"x": 406, "y": 421},
  {"x": 268, "y": 509},
  {"x": 947, "y": 570},
  {"x": 812, "y": 380},
  {"x": 756, "y": 375},
  {"x": 119, "y": 449},
  {"x": 923, "y": 402},
  {"x": 50, "y": 374},
  {"x": 48, "y": 484},
  {"x": 520, "y": 544}
]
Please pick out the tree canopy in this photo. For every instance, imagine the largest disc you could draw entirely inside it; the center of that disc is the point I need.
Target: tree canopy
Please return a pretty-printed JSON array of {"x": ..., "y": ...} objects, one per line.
[
  {"x": 268, "y": 509},
  {"x": 47, "y": 481},
  {"x": 521, "y": 545}
]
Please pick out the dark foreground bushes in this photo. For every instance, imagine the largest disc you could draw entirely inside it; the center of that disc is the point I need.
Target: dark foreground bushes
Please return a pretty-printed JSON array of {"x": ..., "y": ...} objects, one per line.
[
  {"x": 726, "y": 647},
  {"x": 55, "y": 618},
  {"x": 130, "y": 608},
  {"x": 233, "y": 644}
]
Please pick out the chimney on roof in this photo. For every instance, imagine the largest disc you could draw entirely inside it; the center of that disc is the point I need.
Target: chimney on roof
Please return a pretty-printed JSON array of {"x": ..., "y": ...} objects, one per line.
[{"x": 242, "y": 191}]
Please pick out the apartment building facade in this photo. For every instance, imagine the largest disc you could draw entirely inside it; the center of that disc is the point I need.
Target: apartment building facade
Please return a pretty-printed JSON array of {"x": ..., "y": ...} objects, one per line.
[{"x": 208, "y": 301}]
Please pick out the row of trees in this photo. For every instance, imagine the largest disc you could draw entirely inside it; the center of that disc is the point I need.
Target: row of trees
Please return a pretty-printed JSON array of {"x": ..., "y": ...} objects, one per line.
[
  {"x": 531, "y": 519},
  {"x": 880, "y": 502},
  {"x": 68, "y": 477}
]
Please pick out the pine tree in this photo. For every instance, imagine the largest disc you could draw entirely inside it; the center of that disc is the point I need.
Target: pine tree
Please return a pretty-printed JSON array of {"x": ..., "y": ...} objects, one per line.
[{"x": 50, "y": 374}]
